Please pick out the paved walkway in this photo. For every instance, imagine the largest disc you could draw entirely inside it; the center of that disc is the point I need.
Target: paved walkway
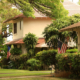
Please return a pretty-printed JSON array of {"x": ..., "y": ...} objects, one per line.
[{"x": 26, "y": 76}]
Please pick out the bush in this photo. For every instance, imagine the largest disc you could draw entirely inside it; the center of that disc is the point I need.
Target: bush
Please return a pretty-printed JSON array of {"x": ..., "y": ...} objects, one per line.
[
  {"x": 19, "y": 61},
  {"x": 15, "y": 51},
  {"x": 5, "y": 66},
  {"x": 21, "y": 66},
  {"x": 4, "y": 62},
  {"x": 30, "y": 41},
  {"x": 3, "y": 52},
  {"x": 71, "y": 50},
  {"x": 33, "y": 64},
  {"x": 69, "y": 62},
  {"x": 47, "y": 57}
]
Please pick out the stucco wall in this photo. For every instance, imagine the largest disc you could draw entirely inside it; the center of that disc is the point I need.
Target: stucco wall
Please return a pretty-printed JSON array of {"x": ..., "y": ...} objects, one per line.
[
  {"x": 24, "y": 51},
  {"x": 19, "y": 33},
  {"x": 35, "y": 26}
]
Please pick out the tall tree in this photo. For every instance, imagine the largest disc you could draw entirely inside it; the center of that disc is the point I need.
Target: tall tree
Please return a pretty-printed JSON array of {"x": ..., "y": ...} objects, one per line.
[
  {"x": 79, "y": 2},
  {"x": 51, "y": 32},
  {"x": 30, "y": 41},
  {"x": 51, "y": 8},
  {"x": 6, "y": 12}
]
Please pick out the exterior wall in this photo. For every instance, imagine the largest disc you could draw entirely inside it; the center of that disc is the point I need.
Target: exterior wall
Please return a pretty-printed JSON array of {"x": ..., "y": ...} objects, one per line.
[
  {"x": 31, "y": 25},
  {"x": 19, "y": 33},
  {"x": 24, "y": 51},
  {"x": 35, "y": 26}
]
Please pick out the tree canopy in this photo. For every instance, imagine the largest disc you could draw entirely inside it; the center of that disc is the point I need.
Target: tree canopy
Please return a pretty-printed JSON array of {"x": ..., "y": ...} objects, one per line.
[
  {"x": 79, "y": 2},
  {"x": 30, "y": 41},
  {"x": 51, "y": 32},
  {"x": 51, "y": 8},
  {"x": 6, "y": 12}
]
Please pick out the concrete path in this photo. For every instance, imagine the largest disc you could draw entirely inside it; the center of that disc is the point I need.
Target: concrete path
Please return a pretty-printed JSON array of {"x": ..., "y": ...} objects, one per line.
[{"x": 26, "y": 76}]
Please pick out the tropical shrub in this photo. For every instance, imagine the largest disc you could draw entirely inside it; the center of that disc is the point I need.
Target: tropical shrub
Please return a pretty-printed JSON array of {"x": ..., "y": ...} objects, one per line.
[
  {"x": 47, "y": 57},
  {"x": 3, "y": 51},
  {"x": 4, "y": 62},
  {"x": 1, "y": 54},
  {"x": 33, "y": 64},
  {"x": 51, "y": 32},
  {"x": 5, "y": 48},
  {"x": 15, "y": 51},
  {"x": 22, "y": 60},
  {"x": 30, "y": 41},
  {"x": 69, "y": 62},
  {"x": 18, "y": 61},
  {"x": 70, "y": 50}
]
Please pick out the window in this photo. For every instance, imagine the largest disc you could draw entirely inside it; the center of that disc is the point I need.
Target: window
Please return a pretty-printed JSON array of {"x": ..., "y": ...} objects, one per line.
[
  {"x": 15, "y": 28},
  {"x": 20, "y": 25}
]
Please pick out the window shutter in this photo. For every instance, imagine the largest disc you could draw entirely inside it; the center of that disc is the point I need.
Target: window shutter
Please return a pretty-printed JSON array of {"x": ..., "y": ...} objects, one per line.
[
  {"x": 20, "y": 25},
  {"x": 15, "y": 28}
]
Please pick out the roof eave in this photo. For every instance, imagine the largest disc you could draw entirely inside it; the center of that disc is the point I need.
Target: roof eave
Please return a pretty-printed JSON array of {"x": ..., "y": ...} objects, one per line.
[
  {"x": 13, "y": 20},
  {"x": 73, "y": 27},
  {"x": 65, "y": 30}
]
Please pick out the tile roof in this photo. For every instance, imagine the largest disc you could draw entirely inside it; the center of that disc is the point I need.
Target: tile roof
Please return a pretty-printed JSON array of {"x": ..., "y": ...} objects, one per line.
[
  {"x": 36, "y": 14},
  {"x": 41, "y": 40},
  {"x": 16, "y": 41},
  {"x": 71, "y": 7},
  {"x": 40, "y": 43}
]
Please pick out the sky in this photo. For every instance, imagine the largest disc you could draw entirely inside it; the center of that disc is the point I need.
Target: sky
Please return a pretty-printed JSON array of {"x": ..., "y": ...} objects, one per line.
[
  {"x": 10, "y": 37},
  {"x": 75, "y": 1}
]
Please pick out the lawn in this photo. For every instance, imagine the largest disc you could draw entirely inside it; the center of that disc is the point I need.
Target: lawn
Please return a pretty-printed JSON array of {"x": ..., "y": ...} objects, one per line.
[
  {"x": 36, "y": 78},
  {"x": 13, "y": 74}
]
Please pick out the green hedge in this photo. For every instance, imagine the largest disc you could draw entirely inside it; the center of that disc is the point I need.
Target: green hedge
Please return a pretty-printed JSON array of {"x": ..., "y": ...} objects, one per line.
[
  {"x": 69, "y": 62},
  {"x": 18, "y": 61},
  {"x": 15, "y": 51},
  {"x": 47, "y": 57},
  {"x": 71, "y": 50},
  {"x": 4, "y": 62},
  {"x": 33, "y": 64}
]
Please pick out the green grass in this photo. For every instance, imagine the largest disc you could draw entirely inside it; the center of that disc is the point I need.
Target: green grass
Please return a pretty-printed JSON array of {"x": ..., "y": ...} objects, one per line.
[
  {"x": 10, "y": 74},
  {"x": 37, "y": 78},
  {"x": 14, "y": 72}
]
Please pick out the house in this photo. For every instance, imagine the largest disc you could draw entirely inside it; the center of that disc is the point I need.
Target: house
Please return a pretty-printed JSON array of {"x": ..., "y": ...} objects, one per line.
[
  {"x": 23, "y": 25},
  {"x": 71, "y": 7}
]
